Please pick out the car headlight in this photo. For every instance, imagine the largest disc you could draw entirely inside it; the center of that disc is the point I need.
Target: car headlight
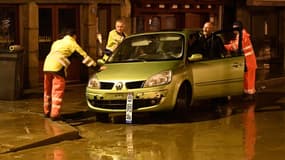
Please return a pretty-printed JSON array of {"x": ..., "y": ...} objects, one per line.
[
  {"x": 94, "y": 82},
  {"x": 159, "y": 79}
]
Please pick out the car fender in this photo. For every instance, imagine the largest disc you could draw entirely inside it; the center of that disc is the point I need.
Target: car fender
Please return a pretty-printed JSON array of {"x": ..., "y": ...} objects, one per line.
[{"x": 181, "y": 80}]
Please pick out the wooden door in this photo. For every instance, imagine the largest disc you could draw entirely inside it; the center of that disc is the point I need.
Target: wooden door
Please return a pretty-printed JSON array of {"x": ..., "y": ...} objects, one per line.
[
  {"x": 107, "y": 15},
  {"x": 52, "y": 20}
]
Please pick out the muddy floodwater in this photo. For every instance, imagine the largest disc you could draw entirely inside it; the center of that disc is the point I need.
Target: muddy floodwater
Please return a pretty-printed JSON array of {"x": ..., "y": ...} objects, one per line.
[
  {"x": 234, "y": 131},
  {"x": 244, "y": 134}
]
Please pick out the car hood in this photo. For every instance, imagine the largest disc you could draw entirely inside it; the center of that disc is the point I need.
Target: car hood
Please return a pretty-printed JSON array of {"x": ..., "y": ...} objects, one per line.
[{"x": 135, "y": 71}]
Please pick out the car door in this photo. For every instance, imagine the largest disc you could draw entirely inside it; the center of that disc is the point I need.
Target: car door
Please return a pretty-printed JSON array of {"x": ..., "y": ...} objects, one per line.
[{"x": 218, "y": 78}]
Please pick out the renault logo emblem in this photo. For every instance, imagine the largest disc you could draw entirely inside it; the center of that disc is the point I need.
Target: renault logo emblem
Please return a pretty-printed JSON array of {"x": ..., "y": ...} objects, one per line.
[{"x": 119, "y": 85}]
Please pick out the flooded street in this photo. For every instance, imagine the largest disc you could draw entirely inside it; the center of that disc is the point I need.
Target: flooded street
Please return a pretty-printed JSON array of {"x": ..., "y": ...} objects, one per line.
[
  {"x": 246, "y": 135},
  {"x": 234, "y": 131}
]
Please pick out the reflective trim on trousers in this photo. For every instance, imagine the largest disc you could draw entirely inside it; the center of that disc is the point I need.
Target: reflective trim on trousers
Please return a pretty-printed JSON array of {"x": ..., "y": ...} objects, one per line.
[
  {"x": 55, "y": 111},
  {"x": 250, "y": 91},
  {"x": 47, "y": 92},
  {"x": 249, "y": 81},
  {"x": 54, "y": 85}
]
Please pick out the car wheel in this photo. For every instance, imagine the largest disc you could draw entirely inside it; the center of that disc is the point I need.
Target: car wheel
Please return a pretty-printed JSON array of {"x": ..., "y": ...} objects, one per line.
[{"x": 183, "y": 99}]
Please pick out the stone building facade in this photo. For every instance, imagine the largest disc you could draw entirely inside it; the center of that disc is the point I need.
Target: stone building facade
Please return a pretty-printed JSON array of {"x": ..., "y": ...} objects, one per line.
[{"x": 35, "y": 24}]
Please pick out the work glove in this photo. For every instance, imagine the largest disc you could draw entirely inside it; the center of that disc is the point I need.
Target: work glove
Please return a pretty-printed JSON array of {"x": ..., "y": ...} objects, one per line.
[
  {"x": 99, "y": 65},
  {"x": 101, "y": 62},
  {"x": 99, "y": 68}
]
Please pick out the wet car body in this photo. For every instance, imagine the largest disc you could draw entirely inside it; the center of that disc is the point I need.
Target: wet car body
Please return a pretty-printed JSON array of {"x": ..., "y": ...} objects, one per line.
[{"x": 162, "y": 74}]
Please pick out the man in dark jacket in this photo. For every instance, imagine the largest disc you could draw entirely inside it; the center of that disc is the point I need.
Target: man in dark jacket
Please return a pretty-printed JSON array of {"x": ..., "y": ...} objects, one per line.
[{"x": 212, "y": 44}]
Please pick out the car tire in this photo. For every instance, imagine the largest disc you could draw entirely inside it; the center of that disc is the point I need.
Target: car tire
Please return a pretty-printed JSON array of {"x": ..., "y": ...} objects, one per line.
[{"x": 183, "y": 99}]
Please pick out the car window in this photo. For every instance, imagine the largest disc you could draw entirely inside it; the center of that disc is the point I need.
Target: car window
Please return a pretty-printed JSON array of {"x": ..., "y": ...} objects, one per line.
[
  {"x": 149, "y": 47},
  {"x": 212, "y": 47},
  {"x": 195, "y": 45}
]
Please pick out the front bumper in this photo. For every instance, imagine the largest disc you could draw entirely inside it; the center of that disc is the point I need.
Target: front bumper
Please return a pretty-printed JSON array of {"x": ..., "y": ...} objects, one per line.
[{"x": 144, "y": 100}]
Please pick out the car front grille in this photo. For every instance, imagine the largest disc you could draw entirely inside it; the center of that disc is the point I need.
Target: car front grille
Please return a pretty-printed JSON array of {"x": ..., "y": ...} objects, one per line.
[
  {"x": 121, "y": 104},
  {"x": 106, "y": 85},
  {"x": 129, "y": 85},
  {"x": 134, "y": 85}
]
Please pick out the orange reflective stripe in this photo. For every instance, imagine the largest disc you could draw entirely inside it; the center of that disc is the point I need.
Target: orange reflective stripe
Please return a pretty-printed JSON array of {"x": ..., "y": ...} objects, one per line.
[
  {"x": 248, "y": 50},
  {"x": 248, "y": 53},
  {"x": 247, "y": 47}
]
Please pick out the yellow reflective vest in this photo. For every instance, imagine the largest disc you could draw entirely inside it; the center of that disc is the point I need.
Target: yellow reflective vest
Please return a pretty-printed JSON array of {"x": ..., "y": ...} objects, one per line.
[
  {"x": 60, "y": 50},
  {"x": 114, "y": 39}
]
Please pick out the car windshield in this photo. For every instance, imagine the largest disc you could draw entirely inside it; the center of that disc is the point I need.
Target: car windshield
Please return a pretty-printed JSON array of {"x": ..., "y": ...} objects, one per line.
[{"x": 151, "y": 47}]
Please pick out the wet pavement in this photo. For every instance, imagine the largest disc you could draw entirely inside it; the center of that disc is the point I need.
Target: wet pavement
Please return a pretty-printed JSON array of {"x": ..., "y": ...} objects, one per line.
[
  {"x": 242, "y": 135},
  {"x": 23, "y": 126},
  {"x": 21, "y": 131}
]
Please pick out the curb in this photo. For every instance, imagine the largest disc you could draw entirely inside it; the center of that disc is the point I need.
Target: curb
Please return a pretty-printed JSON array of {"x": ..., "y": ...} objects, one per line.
[
  {"x": 60, "y": 131},
  {"x": 47, "y": 141}
]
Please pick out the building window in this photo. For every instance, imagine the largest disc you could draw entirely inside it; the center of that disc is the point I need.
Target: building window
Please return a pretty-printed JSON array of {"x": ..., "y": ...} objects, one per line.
[{"x": 8, "y": 26}]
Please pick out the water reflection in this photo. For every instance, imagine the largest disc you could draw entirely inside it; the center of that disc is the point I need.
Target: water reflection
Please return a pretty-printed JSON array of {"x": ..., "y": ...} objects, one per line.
[
  {"x": 249, "y": 131},
  {"x": 55, "y": 154},
  {"x": 129, "y": 142},
  {"x": 232, "y": 136},
  {"x": 52, "y": 130}
]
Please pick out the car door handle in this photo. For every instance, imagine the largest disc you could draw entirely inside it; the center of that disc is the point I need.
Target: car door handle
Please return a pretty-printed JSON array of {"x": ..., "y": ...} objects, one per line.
[{"x": 236, "y": 65}]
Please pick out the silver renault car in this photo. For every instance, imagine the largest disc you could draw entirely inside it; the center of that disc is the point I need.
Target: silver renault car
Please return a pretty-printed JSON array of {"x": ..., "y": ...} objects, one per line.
[{"x": 163, "y": 72}]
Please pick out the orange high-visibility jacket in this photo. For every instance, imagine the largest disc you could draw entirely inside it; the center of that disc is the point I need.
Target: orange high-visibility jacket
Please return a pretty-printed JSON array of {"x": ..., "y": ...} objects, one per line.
[{"x": 247, "y": 49}]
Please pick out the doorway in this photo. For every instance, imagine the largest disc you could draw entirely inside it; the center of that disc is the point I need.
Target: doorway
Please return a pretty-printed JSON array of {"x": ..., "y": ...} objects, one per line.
[
  {"x": 265, "y": 34},
  {"x": 52, "y": 20},
  {"x": 107, "y": 15}
]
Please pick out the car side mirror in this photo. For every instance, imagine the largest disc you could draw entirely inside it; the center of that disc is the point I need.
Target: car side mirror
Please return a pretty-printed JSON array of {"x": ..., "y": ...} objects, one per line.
[{"x": 195, "y": 57}]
